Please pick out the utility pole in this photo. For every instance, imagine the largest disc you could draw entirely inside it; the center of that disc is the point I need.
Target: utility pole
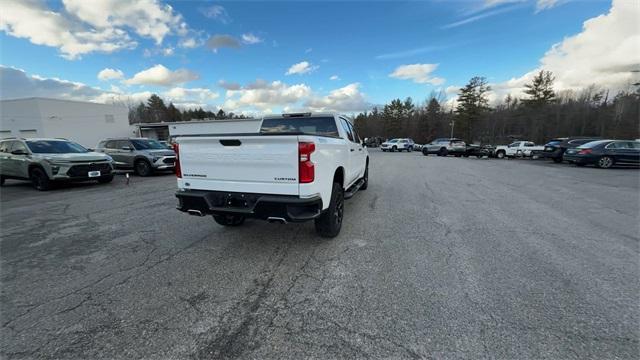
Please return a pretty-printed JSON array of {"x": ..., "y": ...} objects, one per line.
[{"x": 452, "y": 123}]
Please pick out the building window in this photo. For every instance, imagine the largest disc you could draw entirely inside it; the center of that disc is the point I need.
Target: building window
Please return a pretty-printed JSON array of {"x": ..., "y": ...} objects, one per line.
[{"x": 109, "y": 119}]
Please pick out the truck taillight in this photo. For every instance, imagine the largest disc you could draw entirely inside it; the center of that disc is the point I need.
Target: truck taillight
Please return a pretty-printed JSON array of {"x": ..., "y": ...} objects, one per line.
[
  {"x": 176, "y": 148},
  {"x": 306, "y": 168}
]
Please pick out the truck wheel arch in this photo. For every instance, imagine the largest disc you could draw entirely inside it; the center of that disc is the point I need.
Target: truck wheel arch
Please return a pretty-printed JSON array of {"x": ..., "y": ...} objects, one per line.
[{"x": 338, "y": 175}]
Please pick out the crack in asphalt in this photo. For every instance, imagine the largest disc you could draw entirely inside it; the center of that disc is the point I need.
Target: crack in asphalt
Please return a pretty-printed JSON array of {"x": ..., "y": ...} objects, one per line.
[{"x": 232, "y": 341}]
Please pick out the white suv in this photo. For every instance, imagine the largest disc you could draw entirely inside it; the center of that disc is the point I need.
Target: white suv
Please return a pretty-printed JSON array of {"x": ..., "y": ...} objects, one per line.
[{"x": 398, "y": 145}]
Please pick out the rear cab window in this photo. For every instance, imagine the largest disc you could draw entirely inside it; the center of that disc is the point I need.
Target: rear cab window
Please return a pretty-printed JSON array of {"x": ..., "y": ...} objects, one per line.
[{"x": 319, "y": 126}]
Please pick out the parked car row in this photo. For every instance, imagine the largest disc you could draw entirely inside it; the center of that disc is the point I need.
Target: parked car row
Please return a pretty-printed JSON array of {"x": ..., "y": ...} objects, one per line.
[
  {"x": 44, "y": 161},
  {"x": 575, "y": 150}
]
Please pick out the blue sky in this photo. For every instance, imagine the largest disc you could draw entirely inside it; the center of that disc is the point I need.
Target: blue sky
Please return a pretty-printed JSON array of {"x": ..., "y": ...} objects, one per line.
[{"x": 362, "y": 43}]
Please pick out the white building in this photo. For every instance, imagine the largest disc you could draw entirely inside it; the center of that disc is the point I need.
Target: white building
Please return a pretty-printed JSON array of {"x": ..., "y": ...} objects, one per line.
[{"x": 83, "y": 122}]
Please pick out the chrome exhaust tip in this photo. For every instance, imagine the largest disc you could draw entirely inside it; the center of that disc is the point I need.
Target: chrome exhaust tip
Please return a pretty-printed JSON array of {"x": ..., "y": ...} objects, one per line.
[
  {"x": 273, "y": 219},
  {"x": 195, "y": 212}
]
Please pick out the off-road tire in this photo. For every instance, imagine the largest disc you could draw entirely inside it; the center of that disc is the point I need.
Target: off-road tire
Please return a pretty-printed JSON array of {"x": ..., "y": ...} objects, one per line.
[
  {"x": 229, "y": 220},
  {"x": 328, "y": 224}
]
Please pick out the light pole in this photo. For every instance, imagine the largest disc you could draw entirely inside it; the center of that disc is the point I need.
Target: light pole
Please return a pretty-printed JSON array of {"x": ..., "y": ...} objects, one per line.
[{"x": 453, "y": 124}]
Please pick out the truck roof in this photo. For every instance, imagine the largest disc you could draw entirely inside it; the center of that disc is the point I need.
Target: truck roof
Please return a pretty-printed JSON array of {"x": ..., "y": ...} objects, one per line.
[{"x": 301, "y": 115}]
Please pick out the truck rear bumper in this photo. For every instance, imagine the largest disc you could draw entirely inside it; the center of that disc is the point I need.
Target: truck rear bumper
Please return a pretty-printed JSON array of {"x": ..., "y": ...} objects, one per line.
[{"x": 261, "y": 206}]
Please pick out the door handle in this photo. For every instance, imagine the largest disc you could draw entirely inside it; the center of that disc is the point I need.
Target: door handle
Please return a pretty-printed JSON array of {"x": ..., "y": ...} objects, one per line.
[
  {"x": 352, "y": 150},
  {"x": 360, "y": 149}
]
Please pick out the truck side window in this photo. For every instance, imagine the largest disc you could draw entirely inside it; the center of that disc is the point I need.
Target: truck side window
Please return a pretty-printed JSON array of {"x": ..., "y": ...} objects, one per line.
[
  {"x": 356, "y": 138},
  {"x": 346, "y": 128}
]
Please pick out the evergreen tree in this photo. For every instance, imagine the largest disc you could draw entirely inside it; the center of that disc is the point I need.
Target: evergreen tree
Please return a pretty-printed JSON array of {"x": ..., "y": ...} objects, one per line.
[
  {"x": 156, "y": 108},
  {"x": 221, "y": 114},
  {"x": 472, "y": 104},
  {"x": 433, "y": 115},
  {"x": 396, "y": 116},
  {"x": 540, "y": 90},
  {"x": 173, "y": 114}
]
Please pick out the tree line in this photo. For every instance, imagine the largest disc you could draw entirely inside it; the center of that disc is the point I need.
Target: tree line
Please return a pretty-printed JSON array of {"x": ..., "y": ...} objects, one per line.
[
  {"x": 155, "y": 110},
  {"x": 540, "y": 115}
]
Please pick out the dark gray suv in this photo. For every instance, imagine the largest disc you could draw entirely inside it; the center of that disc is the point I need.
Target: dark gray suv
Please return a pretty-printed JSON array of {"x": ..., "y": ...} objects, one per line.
[{"x": 142, "y": 155}]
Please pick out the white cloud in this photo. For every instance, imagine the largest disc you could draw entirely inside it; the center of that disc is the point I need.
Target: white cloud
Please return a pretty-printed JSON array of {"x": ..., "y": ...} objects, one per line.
[
  {"x": 110, "y": 74},
  {"x": 418, "y": 73},
  {"x": 161, "y": 76},
  {"x": 345, "y": 99},
  {"x": 42, "y": 26},
  {"x": 480, "y": 16},
  {"x": 83, "y": 27},
  {"x": 262, "y": 95},
  {"x": 185, "y": 94},
  {"x": 591, "y": 56},
  {"x": 189, "y": 43},
  {"x": 411, "y": 52},
  {"x": 147, "y": 18},
  {"x": 229, "y": 85},
  {"x": 216, "y": 12},
  {"x": 334, "y": 77},
  {"x": 16, "y": 83},
  {"x": 132, "y": 99},
  {"x": 301, "y": 68},
  {"x": 219, "y": 41},
  {"x": 546, "y": 4},
  {"x": 168, "y": 51},
  {"x": 251, "y": 39}
]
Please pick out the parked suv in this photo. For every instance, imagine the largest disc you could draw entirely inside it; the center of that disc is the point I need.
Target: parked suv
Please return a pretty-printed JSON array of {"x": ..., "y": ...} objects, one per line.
[
  {"x": 46, "y": 160},
  {"x": 397, "y": 145},
  {"x": 142, "y": 155},
  {"x": 444, "y": 147}
]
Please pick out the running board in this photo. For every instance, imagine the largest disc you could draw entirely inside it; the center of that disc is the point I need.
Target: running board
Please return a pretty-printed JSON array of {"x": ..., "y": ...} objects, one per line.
[{"x": 353, "y": 189}]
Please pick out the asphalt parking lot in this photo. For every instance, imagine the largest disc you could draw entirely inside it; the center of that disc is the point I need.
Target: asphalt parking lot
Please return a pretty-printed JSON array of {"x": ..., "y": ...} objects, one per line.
[{"x": 439, "y": 258}]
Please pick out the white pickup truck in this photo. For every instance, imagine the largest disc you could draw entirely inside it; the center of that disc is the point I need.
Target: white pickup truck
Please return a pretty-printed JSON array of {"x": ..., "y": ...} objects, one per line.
[
  {"x": 293, "y": 168},
  {"x": 517, "y": 149}
]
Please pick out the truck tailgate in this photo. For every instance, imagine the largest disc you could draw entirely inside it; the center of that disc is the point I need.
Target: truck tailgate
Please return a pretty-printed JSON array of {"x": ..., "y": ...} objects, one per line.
[{"x": 250, "y": 164}]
